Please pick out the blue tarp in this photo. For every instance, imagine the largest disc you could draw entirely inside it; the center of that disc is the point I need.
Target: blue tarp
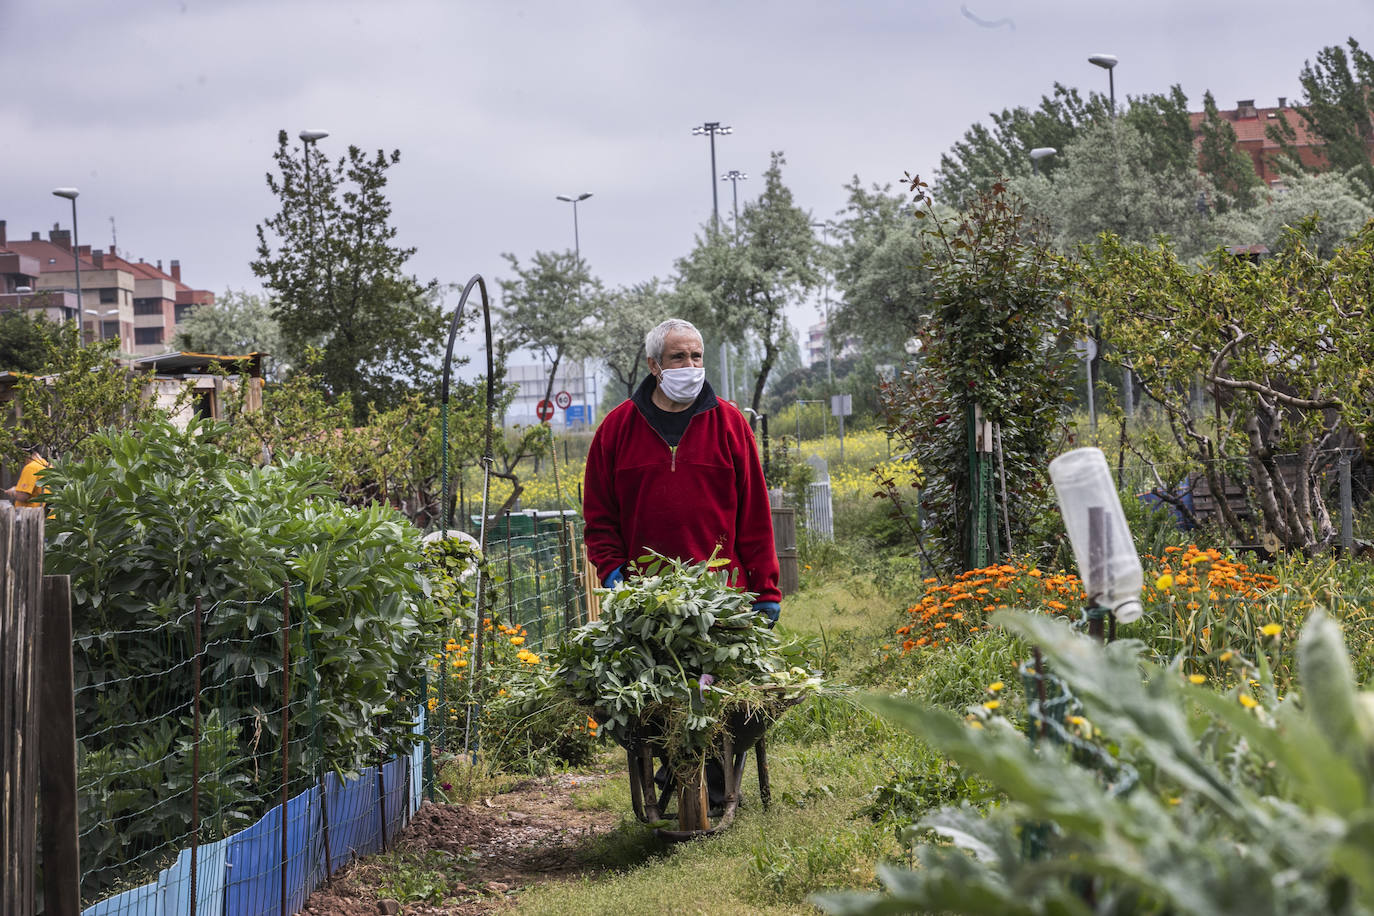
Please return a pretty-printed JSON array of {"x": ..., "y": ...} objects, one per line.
[
  {"x": 253, "y": 885},
  {"x": 241, "y": 875}
]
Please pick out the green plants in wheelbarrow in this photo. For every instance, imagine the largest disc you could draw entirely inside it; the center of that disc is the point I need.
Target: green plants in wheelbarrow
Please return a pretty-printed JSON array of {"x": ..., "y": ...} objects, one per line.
[{"x": 677, "y": 658}]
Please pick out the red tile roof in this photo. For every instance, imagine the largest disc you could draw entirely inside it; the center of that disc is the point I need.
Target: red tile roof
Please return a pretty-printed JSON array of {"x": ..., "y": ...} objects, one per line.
[
  {"x": 50, "y": 257},
  {"x": 1253, "y": 128}
]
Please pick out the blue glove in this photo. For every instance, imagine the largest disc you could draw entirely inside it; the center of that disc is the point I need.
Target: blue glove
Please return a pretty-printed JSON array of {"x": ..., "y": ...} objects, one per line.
[
  {"x": 617, "y": 575},
  {"x": 769, "y": 609}
]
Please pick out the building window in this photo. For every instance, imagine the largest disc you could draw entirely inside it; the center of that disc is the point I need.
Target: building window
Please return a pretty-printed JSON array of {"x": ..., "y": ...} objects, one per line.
[
  {"x": 110, "y": 330},
  {"x": 147, "y": 335},
  {"x": 183, "y": 310},
  {"x": 109, "y": 294},
  {"x": 147, "y": 306}
]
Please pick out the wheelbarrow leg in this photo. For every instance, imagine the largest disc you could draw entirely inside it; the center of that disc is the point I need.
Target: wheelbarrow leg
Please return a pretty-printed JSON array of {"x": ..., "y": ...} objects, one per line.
[
  {"x": 653, "y": 806},
  {"x": 636, "y": 781},
  {"x": 761, "y": 758}
]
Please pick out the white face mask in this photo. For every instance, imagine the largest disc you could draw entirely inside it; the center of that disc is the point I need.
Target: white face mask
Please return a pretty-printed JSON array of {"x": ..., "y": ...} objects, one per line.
[{"x": 682, "y": 385}]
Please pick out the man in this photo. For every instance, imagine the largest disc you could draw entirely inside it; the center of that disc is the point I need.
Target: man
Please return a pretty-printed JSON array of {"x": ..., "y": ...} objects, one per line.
[
  {"x": 675, "y": 470},
  {"x": 26, "y": 492}
]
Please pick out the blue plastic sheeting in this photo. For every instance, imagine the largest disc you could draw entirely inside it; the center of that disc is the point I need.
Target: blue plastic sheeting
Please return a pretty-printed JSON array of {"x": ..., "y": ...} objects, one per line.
[
  {"x": 417, "y": 763},
  {"x": 241, "y": 875},
  {"x": 141, "y": 901},
  {"x": 354, "y": 829},
  {"x": 175, "y": 882},
  {"x": 170, "y": 895},
  {"x": 254, "y": 866},
  {"x": 396, "y": 778}
]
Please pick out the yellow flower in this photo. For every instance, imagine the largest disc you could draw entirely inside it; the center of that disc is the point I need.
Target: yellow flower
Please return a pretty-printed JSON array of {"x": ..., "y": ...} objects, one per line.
[
  {"x": 992, "y": 704},
  {"x": 460, "y": 663},
  {"x": 1248, "y": 701},
  {"x": 1225, "y": 656},
  {"x": 1077, "y": 720},
  {"x": 516, "y": 640},
  {"x": 1164, "y": 582},
  {"x": 1271, "y": 629},
  {"x": 1196, "y": 679},
  {"x": 995, "y": 686},
  {"x": 1175, "y": 800}
]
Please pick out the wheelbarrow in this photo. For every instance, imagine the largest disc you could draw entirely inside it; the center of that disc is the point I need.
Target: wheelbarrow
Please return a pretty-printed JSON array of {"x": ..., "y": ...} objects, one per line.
[{"x": 744, "y": 732}]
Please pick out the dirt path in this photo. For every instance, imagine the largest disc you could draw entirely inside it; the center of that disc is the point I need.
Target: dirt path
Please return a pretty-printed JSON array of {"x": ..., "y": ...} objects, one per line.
[{"x": 474, "y": 857}]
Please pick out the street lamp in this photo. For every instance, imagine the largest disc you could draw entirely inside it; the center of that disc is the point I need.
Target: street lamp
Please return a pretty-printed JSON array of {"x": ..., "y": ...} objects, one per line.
[
  {"x": 735, "y": 176},
  {"x": 1040, "y": 152},
  {"x": 310, "y": 138},
  {"x": 1107, "y": 62},
  {"x": 100, "y": 318},
  {"x": 825, "y": 302},
  {"x": 577, "y": 244},
  {"x": 711, "y": 129},
  {"x": 72, "y": 194}
]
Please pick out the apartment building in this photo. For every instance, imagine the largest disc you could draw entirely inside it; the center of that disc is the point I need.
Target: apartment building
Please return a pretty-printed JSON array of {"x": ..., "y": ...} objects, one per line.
[
  {"x": 1252, "y": 123},
  {"x": 135, "y": 303}
]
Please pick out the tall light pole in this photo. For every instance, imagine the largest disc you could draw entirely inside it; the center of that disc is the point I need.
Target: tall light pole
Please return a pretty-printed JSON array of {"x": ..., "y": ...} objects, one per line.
[
  {"x": 825, "y": 304},
  {"x": 309, "y": 138},
  {"x": 1108, "y": 62},
  {"x": 735, "y": 176},
  {"x": 72, "y": 194},
  {"x": 712, "y": 129},
  {"x": 577, "y": 243},
  {"x": 1040, "y": 152},
  {"x": 577, "y": 266}
]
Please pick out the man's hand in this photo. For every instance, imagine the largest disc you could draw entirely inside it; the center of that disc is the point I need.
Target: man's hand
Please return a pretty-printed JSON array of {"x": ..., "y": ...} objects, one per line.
[{"x": 769, "y": 609}]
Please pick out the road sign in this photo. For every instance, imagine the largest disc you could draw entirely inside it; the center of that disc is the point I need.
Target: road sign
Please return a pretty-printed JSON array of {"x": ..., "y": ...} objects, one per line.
[
  {"x": 562, "y": 399},
  {"x": 544, "y": 411},
  {"x": 577, "y": 413},
  {"x": 841, "y": 405}
]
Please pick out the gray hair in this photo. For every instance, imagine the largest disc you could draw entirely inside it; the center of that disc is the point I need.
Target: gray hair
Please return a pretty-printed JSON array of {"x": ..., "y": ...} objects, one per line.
[{"x": 653, "y": 341}]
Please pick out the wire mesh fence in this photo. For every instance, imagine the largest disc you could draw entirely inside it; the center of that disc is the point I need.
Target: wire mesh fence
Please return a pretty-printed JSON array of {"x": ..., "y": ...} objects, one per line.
[{"x": 199, "y": 736}]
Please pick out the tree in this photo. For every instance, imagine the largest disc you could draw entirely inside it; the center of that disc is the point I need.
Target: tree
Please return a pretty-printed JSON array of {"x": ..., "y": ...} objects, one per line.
[
  {"x": 743, "y": 289},
  {"x": 1336, "y": 198},
  {"x": 1282, "y": 347},
  {"x": 238, "y": 322},
  {"x": 25, "y": 341},
  {"x": 990, "y": 344},
  {"x": 549, "y": 307},
  {"x": 1228, "y": 166},
  {"x": 1110, "y": 183},
  {"x": 85, "y": 389},
  {"x": 628, "y": 315},
  {"x": 1337, "y": 110},
  {"x": 986, "y": 155},
  {"x": 329, "y": 259},
  {"x": 881, "y": 275}
]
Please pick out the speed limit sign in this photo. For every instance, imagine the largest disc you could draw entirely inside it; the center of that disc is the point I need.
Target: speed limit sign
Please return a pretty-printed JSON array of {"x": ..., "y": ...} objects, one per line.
[
  {"x": 563, "y": 400},
  {"x": 544, "y": 411}
]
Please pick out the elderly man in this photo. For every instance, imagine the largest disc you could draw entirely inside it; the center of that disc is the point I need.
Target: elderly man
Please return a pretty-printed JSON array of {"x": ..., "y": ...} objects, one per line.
[{"x": 675, "y": 470}]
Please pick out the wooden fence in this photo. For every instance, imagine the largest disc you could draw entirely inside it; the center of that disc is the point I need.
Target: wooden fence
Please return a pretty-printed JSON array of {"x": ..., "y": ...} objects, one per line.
[{"x": 37, "y": 724}]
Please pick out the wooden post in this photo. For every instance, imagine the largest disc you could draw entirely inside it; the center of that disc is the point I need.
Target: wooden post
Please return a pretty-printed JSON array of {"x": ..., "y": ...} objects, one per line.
[
  {"x": 57, "y": 754},
  {"x": 693, "y": 807},
  {"x": 21, "y": 570}
]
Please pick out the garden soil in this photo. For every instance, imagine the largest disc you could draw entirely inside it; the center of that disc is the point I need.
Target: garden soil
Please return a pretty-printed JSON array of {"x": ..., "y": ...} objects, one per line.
[{"x": 497, "y": 846}]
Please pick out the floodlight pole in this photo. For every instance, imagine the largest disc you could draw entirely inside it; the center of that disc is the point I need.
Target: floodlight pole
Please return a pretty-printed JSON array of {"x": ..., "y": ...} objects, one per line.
[{"x": 711, "y": 129}]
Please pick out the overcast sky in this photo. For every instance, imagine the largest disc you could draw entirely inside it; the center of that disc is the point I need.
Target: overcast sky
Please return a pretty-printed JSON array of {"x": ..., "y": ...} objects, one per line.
[{"x": 164, "y": 112}]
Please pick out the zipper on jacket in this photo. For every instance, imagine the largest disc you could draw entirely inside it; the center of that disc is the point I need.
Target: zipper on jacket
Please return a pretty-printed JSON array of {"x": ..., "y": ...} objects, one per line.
[{"x": 672, "y": 451}]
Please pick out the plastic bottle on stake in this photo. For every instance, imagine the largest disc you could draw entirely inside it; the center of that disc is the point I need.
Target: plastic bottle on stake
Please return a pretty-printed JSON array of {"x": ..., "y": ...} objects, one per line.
[{"x": 1102, "y": 544}]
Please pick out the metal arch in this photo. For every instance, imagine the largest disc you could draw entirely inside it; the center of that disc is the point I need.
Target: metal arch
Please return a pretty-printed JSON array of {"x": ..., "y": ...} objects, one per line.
[{"x": 446, "y": 513}]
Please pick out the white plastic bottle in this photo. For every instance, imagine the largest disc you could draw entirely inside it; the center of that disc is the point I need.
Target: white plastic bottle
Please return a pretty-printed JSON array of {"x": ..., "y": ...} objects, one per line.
[{"x": 1102, "y": 544}]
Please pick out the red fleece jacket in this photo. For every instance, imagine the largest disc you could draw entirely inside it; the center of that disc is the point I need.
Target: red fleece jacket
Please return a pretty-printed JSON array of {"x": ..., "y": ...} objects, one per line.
[{"x": 639, "y": 494}]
